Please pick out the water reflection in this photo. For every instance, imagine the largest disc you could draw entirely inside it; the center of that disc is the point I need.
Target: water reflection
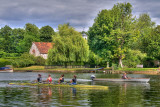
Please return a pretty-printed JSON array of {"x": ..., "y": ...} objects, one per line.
[
  {"x": 44, "y": 94},
  {"x": 125, "y": 94}
]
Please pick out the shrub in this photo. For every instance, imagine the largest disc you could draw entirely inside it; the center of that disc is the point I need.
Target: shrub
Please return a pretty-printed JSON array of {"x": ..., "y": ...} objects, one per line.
[
  {"x": 39, "y": 60},
  {"x": 133, "y": 57},
  {"x": 4, "y": 62},
  {"x": 24, "y": 60}
]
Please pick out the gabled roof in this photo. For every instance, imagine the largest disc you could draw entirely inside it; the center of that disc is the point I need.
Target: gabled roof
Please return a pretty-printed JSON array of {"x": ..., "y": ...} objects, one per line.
[{"x": 43, "y": 47}]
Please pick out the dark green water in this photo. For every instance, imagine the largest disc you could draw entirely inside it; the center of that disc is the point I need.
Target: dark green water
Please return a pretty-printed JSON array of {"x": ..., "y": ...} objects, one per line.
[{"x": 120, "y": 94}]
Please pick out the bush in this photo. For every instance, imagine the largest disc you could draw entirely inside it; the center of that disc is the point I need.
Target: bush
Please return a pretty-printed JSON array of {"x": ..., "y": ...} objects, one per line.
[
  {"x": 133, "y": 57},
  {"x": 8, "y": 55},
  {"x": 94, "y": 60},
  {"x": 24, "y": 60},
  {"x": 39, "y": 60},
  {"x": 4, "y": 62}
]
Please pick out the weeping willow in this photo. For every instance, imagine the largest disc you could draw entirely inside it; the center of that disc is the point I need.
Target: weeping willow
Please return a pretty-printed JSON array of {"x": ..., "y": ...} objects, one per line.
[{"x": 69, "y": 47}]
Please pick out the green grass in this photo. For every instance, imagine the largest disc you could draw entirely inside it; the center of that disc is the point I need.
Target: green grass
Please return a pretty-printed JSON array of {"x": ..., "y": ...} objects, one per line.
[
  {"x": 137, "y": 69},
  {"x": 31, "y": 68},
  {"x": 55, "y": 69},
  {"x": 41, "y": 68}
]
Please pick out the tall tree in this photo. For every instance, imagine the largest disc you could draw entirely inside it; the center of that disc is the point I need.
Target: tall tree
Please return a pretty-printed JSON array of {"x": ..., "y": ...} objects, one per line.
[
  {"x": 144, "y": 26},
  {"x": 112, "y": 32},
  {"x": 6, "y": 33},
  {"x": 31, "y": 35},
  {"x": 16, "y": 38},
  {"x": 69, "y": 47},
  {"x": 32, "y": 29},
  {"x": 152, "y": 43},
  {"x": 46, "y": 33}
]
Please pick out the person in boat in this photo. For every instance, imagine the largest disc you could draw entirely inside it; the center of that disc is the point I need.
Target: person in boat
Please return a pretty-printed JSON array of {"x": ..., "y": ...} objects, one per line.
[
  {"x": 39, "y": 79},
  {"x": 124, "y": 76},
  {"x": 61, "y": 79},
  {"x": 74, "y": 80},
  {"x": 93, "y": 77},
  {"x": 49, "y": 79}
]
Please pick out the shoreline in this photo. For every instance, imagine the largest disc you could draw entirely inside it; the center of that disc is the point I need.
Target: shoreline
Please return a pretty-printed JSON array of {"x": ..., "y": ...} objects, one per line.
[{"x": 90, "y": 70}]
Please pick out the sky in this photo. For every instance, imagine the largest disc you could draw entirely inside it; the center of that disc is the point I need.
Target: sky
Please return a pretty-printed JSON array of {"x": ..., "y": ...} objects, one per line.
[{"x": 78, "y": 13}]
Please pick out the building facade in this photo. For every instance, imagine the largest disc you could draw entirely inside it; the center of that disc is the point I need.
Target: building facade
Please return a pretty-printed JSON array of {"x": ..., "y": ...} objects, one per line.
[{"x": 40, "y": 49}]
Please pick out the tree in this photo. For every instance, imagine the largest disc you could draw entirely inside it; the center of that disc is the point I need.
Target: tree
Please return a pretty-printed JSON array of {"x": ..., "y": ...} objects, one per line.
[
  {"x": 31, "y": 35},
  {"x": 112, "y": 32},
  {"x": 16, "y": 38},
  {"x": 144, "y": 25},
  {"x": 32, "y": 29},
  {"x": 46, "y": 33},
  {"x": 152, "y": 43},
  {"x": 69, "y": 47},
  {"x": 6, "y": 33}
]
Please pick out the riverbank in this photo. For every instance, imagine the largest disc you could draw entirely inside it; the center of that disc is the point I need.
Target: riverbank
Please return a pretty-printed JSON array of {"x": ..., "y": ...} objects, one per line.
[
  {"x": 87, "y": 70},
  {"x": 138, "y": 70},
  {"x": 65, "y": 70}
]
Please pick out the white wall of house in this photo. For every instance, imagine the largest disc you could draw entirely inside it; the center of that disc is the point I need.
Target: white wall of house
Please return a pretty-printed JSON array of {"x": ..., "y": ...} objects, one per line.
[
  {"x": 44, "y": 56},
  {"x": 37, "y": 53},
  {"x": 34, "y": 47}
]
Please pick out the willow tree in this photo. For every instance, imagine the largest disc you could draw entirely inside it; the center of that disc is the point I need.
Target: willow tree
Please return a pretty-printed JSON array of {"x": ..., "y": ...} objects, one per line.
[
  {"x": 112, "y": 32},
  {"x": 69, "y": 47}
]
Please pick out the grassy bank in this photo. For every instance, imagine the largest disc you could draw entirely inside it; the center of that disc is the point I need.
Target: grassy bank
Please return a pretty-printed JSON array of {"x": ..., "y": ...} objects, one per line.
[
  {"x": 41, "y": 68},
  {"x": 137, "y": 69},
  {"x": 127, "y": 70}
]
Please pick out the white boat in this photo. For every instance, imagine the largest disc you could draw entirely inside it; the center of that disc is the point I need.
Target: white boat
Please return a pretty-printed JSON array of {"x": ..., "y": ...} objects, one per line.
[{"x": 123, "y": 80}]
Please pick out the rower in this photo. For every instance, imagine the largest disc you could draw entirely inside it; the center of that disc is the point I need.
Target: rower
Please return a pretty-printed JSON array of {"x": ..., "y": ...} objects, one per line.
[
  {"x": 124, "y": 76},
  {"x": 61, "y": 79},
  {"x": 74, "y": 80},
  {"x": 93, "y": 77},
  {"x": 49, "y": 79},
  {"x": 39, "y": 79}
]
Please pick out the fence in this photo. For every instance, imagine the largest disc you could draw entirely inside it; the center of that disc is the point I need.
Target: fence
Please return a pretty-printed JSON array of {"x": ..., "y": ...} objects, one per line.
[{"x": 60, "y": 66}]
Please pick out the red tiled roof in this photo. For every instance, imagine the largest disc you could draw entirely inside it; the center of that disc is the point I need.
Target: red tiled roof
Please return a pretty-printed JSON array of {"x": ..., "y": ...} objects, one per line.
[{"x": 43, "y": 47}]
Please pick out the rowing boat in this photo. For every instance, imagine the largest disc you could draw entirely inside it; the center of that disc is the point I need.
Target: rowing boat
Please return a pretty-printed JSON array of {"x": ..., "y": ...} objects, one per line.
[
  {"x": 81, "y": 86},
  {"x": 124, "y": 80}
]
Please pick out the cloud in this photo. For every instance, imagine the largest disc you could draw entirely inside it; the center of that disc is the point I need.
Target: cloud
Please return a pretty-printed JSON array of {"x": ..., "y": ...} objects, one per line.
[{"x": 79, "y": 13}]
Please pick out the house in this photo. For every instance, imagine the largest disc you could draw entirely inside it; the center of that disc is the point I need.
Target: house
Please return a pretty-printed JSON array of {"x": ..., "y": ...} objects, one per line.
[{"x": 40, "y": 49}]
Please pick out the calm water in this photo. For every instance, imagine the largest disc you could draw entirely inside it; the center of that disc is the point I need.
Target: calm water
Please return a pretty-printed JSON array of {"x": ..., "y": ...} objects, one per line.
[{"x": 119, "y": 94}]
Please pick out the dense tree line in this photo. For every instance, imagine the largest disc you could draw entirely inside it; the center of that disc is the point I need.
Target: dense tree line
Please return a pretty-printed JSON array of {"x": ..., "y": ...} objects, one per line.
[
  {"x": 117, "y": 36},
  {"x": 16, "y": 41}
]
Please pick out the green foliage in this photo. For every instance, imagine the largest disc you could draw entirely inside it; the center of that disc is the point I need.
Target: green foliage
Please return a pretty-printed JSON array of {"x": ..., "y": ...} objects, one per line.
[
  {"x": 5, "y": 33},
  {"x": 16, "y": 38},
  {"x": 69, "y": 47},
  {"x": 39, "y": 60},
  {"x": 94, "y": 60},
  {"x": 32, "y": 29},
  {"x": 112, "y": 32},
  {"x": 24, "y": 60},
  {"x": 133, "y": 58},
  {"x": 4, "y": 62},
  {"x": 46, "y": 33}
]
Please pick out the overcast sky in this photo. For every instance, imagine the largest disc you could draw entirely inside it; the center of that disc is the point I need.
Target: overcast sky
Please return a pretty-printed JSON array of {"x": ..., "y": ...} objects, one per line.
[{"x": 79, "y": 13}]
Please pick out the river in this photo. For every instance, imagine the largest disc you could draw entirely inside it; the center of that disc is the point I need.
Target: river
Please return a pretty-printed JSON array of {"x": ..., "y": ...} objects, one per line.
[{"x": 119, "y": 94}]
